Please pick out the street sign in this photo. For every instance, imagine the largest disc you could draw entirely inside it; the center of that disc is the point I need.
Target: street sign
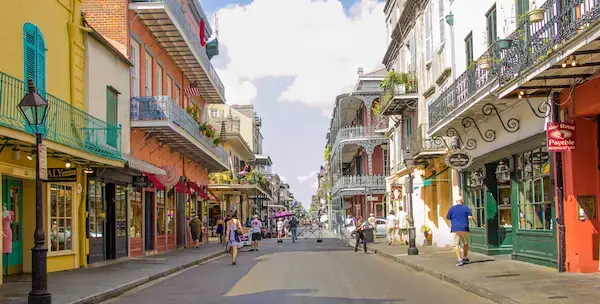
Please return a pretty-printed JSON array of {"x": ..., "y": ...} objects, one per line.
[
  {"x": 458, "y": 160},
  {"x": 43, "y": 161},
  {"x": 561, "y": 136}
]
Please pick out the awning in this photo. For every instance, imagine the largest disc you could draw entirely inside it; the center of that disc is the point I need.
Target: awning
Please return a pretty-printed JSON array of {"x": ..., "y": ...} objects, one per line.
[
  {"x": 157, "y": 184},
  {"x": 213, "y": 195},
  {"x": 427, "y": 181},
  {"x": 142, "y": 166},
  {"x": 198, "y": 190},
  {"x": 181, "y": 188}
]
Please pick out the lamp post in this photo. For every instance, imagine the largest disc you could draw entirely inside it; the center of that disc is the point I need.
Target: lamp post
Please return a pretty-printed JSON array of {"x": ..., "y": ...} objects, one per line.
[
  {"x": 34, "y": 109},
  {"x": 412, "y": 248}
]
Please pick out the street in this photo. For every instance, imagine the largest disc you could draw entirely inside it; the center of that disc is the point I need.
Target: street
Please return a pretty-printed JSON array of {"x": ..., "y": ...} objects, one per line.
[{"x": 304, "y": 272}]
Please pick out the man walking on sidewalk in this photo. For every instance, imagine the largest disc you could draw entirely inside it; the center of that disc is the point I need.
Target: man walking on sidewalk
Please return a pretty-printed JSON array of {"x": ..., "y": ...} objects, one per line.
[
  {"x": 255, "y": 232},
  {"x": 459, "y": 216},
  {"x": 391, "y": 226},
  {"x": 293, "y": 228}
]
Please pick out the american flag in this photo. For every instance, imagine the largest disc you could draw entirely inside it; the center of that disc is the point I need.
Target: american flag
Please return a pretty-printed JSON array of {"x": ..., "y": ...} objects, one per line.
[{"x": 192, "y": 90}]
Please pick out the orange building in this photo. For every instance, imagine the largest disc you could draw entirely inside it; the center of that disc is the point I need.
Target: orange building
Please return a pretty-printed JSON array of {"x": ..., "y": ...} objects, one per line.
[{"x": 172, "y": 81}]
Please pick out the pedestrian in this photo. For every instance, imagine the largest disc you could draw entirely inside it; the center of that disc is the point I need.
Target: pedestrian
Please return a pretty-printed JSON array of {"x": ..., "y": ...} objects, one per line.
[
  {"x": 391, "y": 225},
  {"x": 196, "y": 230},
  {"x": 286, "y": 223},
  {"x": 279, "y": 229},
  {"x": 373, "y": 223},
  {"x": 459, "y": 216},
  {"x": 220, "y": 228},
  {"x": 293, "y": 228},
  {"x": 402, "y": 225},
  {"x": 234, "y": 234},
  {"x": 255, "y": 232},
  {"x": 360, "y": 233}
]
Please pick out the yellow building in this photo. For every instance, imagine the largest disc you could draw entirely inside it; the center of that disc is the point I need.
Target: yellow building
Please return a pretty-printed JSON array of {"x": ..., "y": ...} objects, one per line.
[{"x": 44, "y": 41}]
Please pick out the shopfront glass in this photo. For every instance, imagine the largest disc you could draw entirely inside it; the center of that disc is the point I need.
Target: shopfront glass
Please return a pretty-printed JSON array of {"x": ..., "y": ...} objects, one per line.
[
  {"x": 504, "y": 194},
  {"x": 121, "y": 211},
  {"x": 475, "y": 196},
  {"x": 535, "y": 190},
  {"x": 135, "y": 213},
  {"x": 61, "y": 217},
  {"x": 160, "y": 215}
]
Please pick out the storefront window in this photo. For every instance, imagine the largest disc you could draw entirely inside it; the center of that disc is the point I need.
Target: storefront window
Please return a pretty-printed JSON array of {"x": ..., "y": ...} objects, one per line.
[
  {"x": 171, "y": 212},
  {"x": 61, "y": 217},
  {"x": 504, "y": 180},
  {"x": 135, "y": 214},
  {"x": 535, "y": 190},
  {"x": 475, "y": 196},
  {"x": 160, "y": 214},
  {"x": 97, "y": 215},
  {"x": 121, "y": 210}
]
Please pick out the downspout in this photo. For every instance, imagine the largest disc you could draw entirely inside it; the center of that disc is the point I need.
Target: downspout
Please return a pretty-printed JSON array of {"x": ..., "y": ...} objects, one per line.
[
  {"x": 83, "y": 240},
  {"x": 560, "y": 220}
]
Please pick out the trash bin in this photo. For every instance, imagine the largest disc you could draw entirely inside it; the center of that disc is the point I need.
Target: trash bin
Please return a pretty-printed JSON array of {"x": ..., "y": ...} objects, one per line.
[{"x": 369, "y": 235}]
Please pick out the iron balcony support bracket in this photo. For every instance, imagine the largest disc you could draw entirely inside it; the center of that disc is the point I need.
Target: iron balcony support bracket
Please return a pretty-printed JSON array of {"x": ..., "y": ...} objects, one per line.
[
  {"x": 511, "y": 126},
  {"x": 488, "y": 136},
  {"x": 471, "y": 144}
]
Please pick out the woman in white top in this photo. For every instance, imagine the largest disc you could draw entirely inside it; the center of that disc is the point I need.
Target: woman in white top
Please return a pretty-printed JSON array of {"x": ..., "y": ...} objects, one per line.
[{"x": 391, "y": 225}]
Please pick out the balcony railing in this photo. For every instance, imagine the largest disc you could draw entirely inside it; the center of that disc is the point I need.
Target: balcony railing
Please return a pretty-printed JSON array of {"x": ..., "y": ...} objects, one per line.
[
  {"x": 157, "y": 108},
  {"x": 359, "y": 181},
  {"x": 232, "y": 126},
  {"x": 65, "y": 124},
  {"x": 420, "y": 144},
  {"x": 191, "y": 34},
  {"x": 356, "y": 133},
  {"x": 532, "y": 43}
]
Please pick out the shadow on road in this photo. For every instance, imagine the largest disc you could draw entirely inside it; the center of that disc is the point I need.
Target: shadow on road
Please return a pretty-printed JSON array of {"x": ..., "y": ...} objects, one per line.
[{"x": 288, "y": 296}]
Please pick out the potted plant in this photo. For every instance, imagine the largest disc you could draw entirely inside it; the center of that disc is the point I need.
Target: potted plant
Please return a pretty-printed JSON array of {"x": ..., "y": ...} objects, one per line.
[
  {"x": 217, "y": 141},
  {"x": 203, "y": 128},
  {"x": 426, "y": 232},
  {"x": 485, "y": 63},
  {"x": 536, "y": 15},
  {"x": 505, "y": 43}
]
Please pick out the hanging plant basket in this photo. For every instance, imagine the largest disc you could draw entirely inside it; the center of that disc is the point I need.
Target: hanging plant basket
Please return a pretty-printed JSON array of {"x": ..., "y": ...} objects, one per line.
[
  {"x": 505, "y": 44},
  {"x": 485, "y": 63},
  {"x": 536, "y": 15}
]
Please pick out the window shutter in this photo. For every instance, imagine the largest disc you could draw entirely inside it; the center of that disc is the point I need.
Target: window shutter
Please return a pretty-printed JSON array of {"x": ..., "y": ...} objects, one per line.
[
  {"x": 30, "y": 52},
  {"x": 111, "y": 117},
  {"x": 40, "y": 62}
]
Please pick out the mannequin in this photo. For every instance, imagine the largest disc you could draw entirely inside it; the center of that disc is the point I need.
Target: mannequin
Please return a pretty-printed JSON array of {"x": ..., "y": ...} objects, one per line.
[{"x": 6, "y": 231}]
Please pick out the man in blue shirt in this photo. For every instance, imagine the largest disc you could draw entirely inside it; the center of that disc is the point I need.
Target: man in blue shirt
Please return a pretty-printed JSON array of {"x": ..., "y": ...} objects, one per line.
[{"x": 459, "y": 216}]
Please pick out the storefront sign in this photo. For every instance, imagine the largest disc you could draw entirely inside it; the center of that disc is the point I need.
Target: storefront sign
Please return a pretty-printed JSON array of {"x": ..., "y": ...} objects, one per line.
[
  {"x": 459, "y": 160},
  {"x": 140, "y": 182},
  {"x": 561, "y": 136},
  {"x": 62, "y": 175},
  {"x": 170, "y": 179},
  {"x": 43, "y": 161}
]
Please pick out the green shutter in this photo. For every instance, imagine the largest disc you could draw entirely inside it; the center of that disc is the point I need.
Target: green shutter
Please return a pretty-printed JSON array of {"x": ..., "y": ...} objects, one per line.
[
  {"x": 111, "y": 117},
  {"x": 469, "y": 49},
  {"x": 492, "y": 28},
  {"x": 34, "y": 63},
  {"x": 408, "y": 126},
  {"x": 40, "y": 62}
]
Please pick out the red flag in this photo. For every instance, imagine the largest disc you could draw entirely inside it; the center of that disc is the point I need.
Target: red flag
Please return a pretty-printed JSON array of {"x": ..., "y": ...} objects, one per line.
[{"x": 202, "y": 33}]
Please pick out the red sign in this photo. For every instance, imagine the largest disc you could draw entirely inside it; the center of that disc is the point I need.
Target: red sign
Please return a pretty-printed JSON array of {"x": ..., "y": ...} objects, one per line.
[{"x": 561, "y": 136}]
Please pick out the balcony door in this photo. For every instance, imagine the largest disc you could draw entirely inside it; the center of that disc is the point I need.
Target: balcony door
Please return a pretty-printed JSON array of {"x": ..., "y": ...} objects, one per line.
[
  {"x": 135, "y": 69},
  {"x": 358, "y": 165}
]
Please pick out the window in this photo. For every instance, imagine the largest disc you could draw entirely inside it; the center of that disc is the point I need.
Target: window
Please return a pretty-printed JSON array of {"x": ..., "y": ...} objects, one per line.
[
  {"x": 214, "y": 113},
  {"x": 121, "y": 210},
  {"x": 34, "y": 56},
  {"x": 442, "y": 21},
  {"x": 159, "y": 80},
  {"x": 522, "y": 10},
  {"x": 170, "y": 87},
  {"x": 61, "y": 217},
  {"x": 427, "y": 25},
  {"x": 97, "y": 215},
  {"x": 177, "y": 94},
  {"x": 386, "y": 162},
  {"x": 148, "y": 74},
  {"x": 135, "y": 214},
  {"x": 535, "y": 204},
  {"x": 135, "y": 69},
  {"x": 160, "y": 212},
  {"x": 171, "y": 212},
  {"x": 398, "y": 143},
  {"x": 492, "y": 28},
  {"x": 111, "y": 117},
  {"x": 408, "y": 127},
  {"x": 469, "y": 49},
  {"x": 413, "y": 54},
  {"x": 475, "y": 198}
]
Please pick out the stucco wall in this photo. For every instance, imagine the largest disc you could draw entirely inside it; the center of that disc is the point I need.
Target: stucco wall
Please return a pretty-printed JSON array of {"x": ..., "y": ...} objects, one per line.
[{"x": 105, "y": 69}]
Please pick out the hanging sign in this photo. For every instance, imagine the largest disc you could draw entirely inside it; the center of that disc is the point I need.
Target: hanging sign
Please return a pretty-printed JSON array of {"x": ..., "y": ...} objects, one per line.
[
  {"x": 561, "y": 136},
  {"x": 170, "y": 179},
  {"x": 62, "y": 175},
  {"x": 141, "y": 181},
  {"x": 43, "y": 161},
  {"x": 458, "y": 160}
]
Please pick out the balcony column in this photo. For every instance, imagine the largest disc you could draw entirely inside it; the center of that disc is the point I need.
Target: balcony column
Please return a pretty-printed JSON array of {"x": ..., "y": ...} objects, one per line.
[
  {"x": 369, "y": 148},
  {"x": 368, "y": 101}
]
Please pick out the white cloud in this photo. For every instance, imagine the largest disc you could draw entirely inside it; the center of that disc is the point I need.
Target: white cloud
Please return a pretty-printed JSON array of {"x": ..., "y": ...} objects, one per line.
[
  {"x": 315, "y": 42},
  {"x": 304, "y": 178}
]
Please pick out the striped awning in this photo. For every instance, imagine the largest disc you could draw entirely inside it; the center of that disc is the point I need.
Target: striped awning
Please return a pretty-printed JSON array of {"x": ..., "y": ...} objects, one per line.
[{"x": 142, "y": 166}]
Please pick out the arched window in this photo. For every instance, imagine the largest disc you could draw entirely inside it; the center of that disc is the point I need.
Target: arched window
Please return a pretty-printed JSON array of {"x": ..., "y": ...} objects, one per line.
[{"x": 34, "y": 56}]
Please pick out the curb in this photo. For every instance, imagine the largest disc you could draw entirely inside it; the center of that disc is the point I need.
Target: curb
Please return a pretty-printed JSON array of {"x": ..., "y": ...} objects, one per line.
[
  {"x": 482, "y": 292},
  {"x": 119, "y": 290}
]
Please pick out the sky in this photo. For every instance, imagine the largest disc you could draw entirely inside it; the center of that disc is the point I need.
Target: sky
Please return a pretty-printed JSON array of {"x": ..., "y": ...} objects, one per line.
[{"x": 290, "y": 59}]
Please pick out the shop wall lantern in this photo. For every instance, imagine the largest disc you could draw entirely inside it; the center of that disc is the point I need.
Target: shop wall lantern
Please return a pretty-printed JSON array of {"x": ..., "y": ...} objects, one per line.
[
  {"x": 502, "y": 172},
  {"x": 476, "y": 179}
]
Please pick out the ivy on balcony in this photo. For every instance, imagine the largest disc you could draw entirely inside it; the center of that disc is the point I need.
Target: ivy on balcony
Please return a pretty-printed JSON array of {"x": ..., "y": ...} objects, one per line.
[
  {"x": 226, "y": 178},
  {"x": 398, "y": 83},
  {"x": 210, "y": 132}
]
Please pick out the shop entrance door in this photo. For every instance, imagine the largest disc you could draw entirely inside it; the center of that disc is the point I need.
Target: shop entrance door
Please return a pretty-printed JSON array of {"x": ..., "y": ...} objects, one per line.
[
  {"x": 97, "y": 221},
  {"x": 116, "y": 230},
  {"x": 12, "y": 247},
  {"x": 149, "y": 221}
]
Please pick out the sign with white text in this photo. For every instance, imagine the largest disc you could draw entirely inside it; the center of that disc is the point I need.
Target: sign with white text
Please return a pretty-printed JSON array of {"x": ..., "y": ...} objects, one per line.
[
  {"x": 561, "y": 136},
  {"x": 458, "y": 160},
  {"x": 43, "y": 161}
]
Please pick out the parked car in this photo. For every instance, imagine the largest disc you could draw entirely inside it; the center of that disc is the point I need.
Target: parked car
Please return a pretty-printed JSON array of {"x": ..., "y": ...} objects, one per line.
[{"x": 381, "y": 227}]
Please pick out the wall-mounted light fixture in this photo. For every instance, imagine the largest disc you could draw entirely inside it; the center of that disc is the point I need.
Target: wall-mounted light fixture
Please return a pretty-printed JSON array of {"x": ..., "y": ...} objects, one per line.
[{"x": 16, "y": 154}]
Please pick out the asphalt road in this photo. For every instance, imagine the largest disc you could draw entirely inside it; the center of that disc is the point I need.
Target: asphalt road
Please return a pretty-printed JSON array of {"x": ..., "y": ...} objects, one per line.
[{"x": 304, "y": 272}]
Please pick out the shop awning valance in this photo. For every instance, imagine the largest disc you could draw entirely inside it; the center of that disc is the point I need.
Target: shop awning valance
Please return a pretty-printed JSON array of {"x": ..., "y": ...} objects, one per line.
[
  {"x": 142, "y": 166},
  {"x": 157, "y": 184},
  {"x": 213, "y": 195},
  {"x": 198, "y": 190},
  {"x": 181, "y": 188}
]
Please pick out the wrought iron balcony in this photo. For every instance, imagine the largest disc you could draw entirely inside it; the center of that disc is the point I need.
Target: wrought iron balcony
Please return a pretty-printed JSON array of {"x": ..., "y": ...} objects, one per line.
[
  {"x": 530, "y": 45},
  {"x": 65, "y": 124},
  {"x": 356, "y": 133},
  {"x": 172, "y": 125},
  {"x": 399, "y": 97},
  {"x": 358, "y": 182},
  {"x": 423, "y": 147},
  {"x": 167, "y": 21},
  {"x": 232, "y": 125}
]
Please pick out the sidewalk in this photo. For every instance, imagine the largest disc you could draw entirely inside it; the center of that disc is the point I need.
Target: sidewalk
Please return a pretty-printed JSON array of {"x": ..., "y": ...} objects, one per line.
[
  {"x": 93, "y": 285},
  {"x": 498, "y": 279}
]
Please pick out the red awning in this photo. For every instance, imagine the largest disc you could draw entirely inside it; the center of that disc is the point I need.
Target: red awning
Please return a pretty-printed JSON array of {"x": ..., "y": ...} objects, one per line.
[
  {"x": 181, "y": 188},
  {"x": 157, "y": 184},
  {"x": 213, "y": 195},
  {"x": 198, "y": 190}
]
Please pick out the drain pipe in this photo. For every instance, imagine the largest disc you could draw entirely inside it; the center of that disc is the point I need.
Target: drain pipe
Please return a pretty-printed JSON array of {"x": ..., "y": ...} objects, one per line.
[{"x": 560, "y": 220}]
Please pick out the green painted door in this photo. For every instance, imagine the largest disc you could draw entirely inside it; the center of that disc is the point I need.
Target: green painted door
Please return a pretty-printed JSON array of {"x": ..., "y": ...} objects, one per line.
[{"x": 12, "y": 196}]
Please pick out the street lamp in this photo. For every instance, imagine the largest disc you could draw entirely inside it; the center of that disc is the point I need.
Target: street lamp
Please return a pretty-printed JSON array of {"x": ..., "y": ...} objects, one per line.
[
  {"x": 412, "y": 248},
  {"x": 35, "y": 109}
]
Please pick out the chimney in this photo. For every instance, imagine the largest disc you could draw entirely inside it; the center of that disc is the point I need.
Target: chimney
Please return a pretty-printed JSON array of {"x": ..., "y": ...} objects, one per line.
[{"x": 360, "y": 71}]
